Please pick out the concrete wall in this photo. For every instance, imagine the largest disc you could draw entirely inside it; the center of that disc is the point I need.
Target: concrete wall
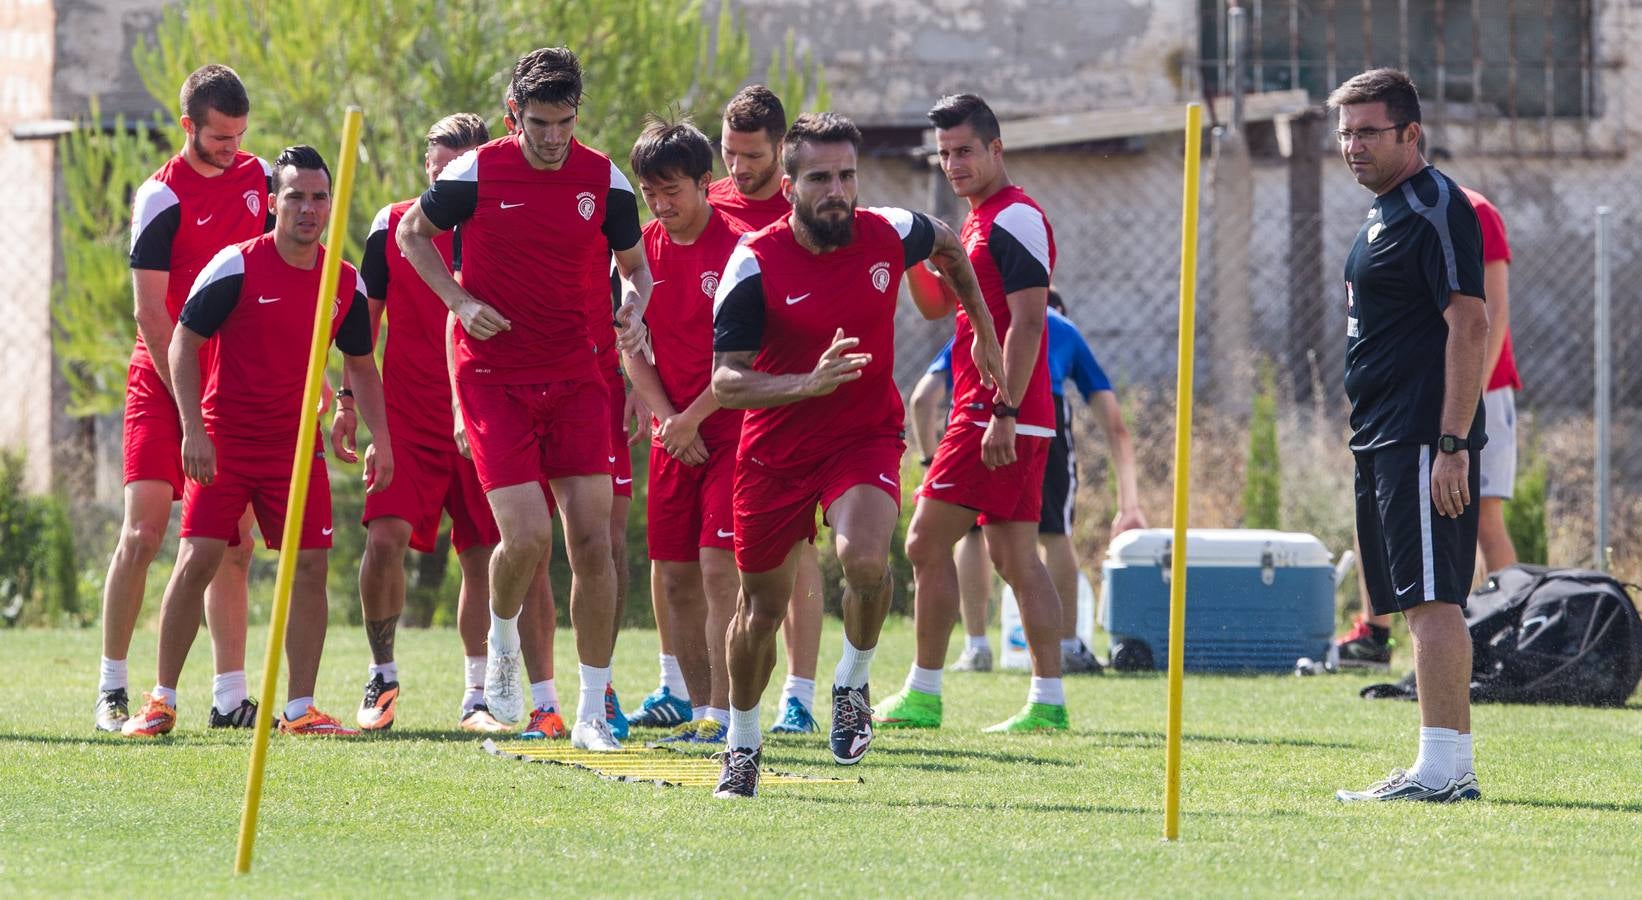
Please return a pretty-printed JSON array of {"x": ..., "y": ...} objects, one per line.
[{"x": 94, "y": 43}]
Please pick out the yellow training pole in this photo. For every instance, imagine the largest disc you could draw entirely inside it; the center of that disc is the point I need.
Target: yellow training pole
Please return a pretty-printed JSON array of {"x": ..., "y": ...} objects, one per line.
[
  {"x": 330, "y": 273},
  {"x": 1182, "y": 466}
]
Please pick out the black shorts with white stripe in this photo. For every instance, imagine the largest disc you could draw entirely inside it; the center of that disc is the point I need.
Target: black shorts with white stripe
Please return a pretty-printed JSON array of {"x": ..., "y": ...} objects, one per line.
[
  {"x": 1412, "y": 554},
  {"x": 1060, "y": 474}
]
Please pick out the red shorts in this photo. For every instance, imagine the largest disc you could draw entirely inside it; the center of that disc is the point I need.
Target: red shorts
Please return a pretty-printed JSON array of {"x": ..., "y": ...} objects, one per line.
[
  {"x": 1013, "y": 493},
  {"x": 521, "y": 433},
  {"x": 428, "y": 481},
  {"x": 775, "y": 507},
  {"x": 689, "y": 507},
  {"x": 621, "y": 456},
  {"x": 152, "y": 443},
  {"x": 261, "y": 476}
]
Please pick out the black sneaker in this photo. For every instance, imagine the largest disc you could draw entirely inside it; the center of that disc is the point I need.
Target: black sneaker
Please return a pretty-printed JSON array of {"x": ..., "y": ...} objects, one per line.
[
  {"x": 740, "y": 776},
  {"x": 1079, "y": 661},
  {"x": 113, "y": 709},
  {"x": 1363, "y": 648},
  {"x": 851, "y": 724},
  {"x": 243, "y": 716}
]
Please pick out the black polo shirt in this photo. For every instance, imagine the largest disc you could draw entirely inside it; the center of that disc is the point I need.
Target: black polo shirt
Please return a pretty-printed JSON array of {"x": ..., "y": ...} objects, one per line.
[{"x": 1420, "y": 243}]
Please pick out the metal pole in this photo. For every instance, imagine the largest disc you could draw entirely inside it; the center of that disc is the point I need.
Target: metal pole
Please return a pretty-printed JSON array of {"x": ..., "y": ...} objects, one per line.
[
  {"x": 1604, "y": 387},
  {"x": 1239, "y": 46}
]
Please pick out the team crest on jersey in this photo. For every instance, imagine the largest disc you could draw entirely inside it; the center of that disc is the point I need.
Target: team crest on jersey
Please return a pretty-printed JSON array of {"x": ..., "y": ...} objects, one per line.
[
  {"x": 709, "y": 283},
  {"x": 1374, "y": 231},
  {"x": 880, "y": 276},
  {"x": 253, "y": 202},
  {"x": 585, "y": 205},
  {"x": 973, "y": 242}
]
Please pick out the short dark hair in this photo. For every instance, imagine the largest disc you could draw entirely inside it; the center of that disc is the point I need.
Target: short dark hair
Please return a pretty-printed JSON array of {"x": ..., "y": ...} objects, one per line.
[
  {"x": 669, "y": 149},
  {"x": 1056, "y": 303},
  {"x": 459, "y": 131},
  {"x": 960, "y": 109},
  {"x": 301, "y": 156},
  {"x": 217, "y": 87},
  {"x": 1392, "y": 87},
  {"x": 757, "y": 108},
  {"x": 551, "y": 75},
  {"x": 816, "y": 128}
]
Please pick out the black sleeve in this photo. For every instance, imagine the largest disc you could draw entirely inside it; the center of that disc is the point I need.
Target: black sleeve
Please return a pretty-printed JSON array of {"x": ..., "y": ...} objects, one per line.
[
  {"x": 1019, "y": 268},
  {"x": 456, "y": 251},
  {"x": 615, "y": 286},
  {"x": 151, "y": 247},
  {"x": 621, "y": 219},
  {"x": 268, "y": 220},
  {"x": 919, "y": 242},
  {"x": 373, "y": 268},
  {"x": 1466, "y": 232},
  {"x": 353, "y": 336},
  {"x": 738, "y": 321},
  {"x": 449, "y": 202},
  {"x": 208, "y": 307}
]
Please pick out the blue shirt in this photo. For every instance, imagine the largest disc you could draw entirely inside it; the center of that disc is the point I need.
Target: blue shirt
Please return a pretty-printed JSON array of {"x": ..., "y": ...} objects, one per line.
[{"x": 1069, "y": 357}]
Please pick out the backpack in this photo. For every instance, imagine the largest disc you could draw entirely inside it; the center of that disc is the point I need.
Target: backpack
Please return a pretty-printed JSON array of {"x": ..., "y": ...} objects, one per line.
[{"x": 1544, "y": 635}]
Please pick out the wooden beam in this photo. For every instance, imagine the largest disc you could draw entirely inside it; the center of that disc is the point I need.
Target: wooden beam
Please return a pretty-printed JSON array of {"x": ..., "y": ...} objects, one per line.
[{"x": 1109, "y": 124}]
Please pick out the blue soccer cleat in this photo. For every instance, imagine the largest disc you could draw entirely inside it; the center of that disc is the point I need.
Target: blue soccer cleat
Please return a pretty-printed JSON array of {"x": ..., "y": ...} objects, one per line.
[
  {"x": 795, "y": 719},
  {"x": 661, "y": 710},
  {"x": 613, "y": 713}
]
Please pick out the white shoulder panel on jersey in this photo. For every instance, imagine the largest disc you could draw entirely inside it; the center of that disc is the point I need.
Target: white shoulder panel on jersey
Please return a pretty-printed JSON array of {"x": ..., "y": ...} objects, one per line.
[
  {"x": 380, "y": 223},
  {"x": 226, "y": 264},
  {"x": 741, "y": 266},
  {"x": 267, "y": 168},
  {"x": 1026, "y": 225},
  {"x": 462, "y": 168},
  {"x": 618, "y": 181},
  {"x": 152, "y": 198},
  {"x": 902, "y": 219}
]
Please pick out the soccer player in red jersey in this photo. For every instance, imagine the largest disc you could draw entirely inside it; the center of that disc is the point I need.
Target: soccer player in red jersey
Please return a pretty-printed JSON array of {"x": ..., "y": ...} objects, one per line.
[
  {"x": 999, "y": 438},
  {"x": 256, "y": 299},
  {"x": 804, "y": 339},
  {"x": 433, "y": 475},
  {"x": 535, "y": 209},
  {"x": 210, "y": 195},
  {"x": 692, "y": 454}
]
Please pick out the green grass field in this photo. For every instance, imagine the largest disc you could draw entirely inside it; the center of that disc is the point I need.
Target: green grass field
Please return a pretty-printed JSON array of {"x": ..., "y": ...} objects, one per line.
[{"x": 424, "y": 812}]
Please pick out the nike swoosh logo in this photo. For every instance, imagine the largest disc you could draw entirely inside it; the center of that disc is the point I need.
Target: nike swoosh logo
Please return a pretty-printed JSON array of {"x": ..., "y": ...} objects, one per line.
[
  {"x": 725, "y": 534},
  {"x": 512, "y": 205},
  {"x": 890, "y": 481},
  {"x": 326, "y": 530},
  {"x": 797, "y": 299},
  {"x": 941, "y": 485},
  {"x": 1405, "y": 590},
  {"x": 624, "y": 481},
  {"x": 267, "y": 299},
  {"x": 204, "y": 220},
  {"x": 860, "y": 743},
  {"x": 658, "y": 281}
]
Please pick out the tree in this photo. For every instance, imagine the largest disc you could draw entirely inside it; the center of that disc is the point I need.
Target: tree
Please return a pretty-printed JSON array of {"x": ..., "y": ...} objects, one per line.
[{"x": 1262, "y": 483}]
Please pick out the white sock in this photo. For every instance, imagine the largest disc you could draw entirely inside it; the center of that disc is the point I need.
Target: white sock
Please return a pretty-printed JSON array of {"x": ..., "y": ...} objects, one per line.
[
  {"x": 925, "y": 681},
  {"x": 978, "y": 642},
  {"x": 744, "y": 733},
  {"x": 853, "y": 666},
  {"x": 1069, "y": 645},
  {"x": 112, "y": 676},
  {"x": 544, "y": 694},
  {"x": 1046, "y": 690},
  {"x": 168, "y": 694},
  {"x": 721, "y": 716},
  {"x": 697, "y": 713},
  {"x": 590, "y": 708},
  {"x": 1464, "y": 762},
  {"x": 1434, "y": 767},
  {"x": 802, "y": 688},
  {"x": 672, "y": 677},
  {"x": 473, "y": 678},
  {"x": 228, "y": 691},
  {"x": 298, "y": 708},
  {"x": 504, "y": 633},
  {"x": 473, "y": 696},
  {"x": 388, "y": 670}
]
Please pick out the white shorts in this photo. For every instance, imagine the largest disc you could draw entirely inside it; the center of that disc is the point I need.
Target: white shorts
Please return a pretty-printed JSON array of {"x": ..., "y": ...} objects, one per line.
[{"x": 1499, "y": 455}]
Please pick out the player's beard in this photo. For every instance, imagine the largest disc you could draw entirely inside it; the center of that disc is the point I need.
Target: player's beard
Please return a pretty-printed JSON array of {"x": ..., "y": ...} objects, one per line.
[
  {"x": 205, "y": 156},
  {"x": 757, "y": 184},
  {"x": 825, "y": 232}
]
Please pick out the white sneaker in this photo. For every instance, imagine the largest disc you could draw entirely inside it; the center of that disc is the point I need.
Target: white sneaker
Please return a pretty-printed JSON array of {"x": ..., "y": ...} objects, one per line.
[
  {"x": 504, "y": 695},
  {"x": 974, "y": 659},
  {"x": 594, "y": 736}
]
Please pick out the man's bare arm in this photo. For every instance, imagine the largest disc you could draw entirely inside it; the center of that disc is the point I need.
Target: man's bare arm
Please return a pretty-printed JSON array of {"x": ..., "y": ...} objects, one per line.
[
  {"x": 415, "y": 239},
  {"x": 737, "y": 385},
  {"x": 925, "y": 412},
  {"x": 949, "y": 257},
  {"x": 199, "y": 458},
  {"x": 1496, "y": 286},
  {"x": 153, "y": 319}
]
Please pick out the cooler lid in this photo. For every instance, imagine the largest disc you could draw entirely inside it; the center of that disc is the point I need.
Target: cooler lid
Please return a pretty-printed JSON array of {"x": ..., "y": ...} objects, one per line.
[{"x": 1220, "y": 547}]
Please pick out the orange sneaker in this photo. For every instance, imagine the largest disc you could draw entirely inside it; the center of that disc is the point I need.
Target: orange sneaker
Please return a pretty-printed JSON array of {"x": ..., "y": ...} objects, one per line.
[
  {"x": 155, "y": 718},
  {"x": 479, "y": 719},
  {"x": 544, "y": 724},
  {"x": 314, "y": 722},
  {"x": 381, "y": 703}
]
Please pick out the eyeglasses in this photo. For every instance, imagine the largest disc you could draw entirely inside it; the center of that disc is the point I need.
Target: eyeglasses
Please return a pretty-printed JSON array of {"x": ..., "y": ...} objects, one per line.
[{"x": 1367, "y": 135}]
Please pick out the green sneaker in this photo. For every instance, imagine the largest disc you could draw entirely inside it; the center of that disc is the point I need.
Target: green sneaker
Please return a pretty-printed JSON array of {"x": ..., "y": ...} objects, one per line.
[
  {"x": 909, "y": 709},
  {"x": 1033, "y": 717}
]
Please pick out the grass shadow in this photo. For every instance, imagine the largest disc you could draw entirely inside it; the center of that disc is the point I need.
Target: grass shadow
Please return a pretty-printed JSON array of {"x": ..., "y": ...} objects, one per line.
[
  {"x": 1594, "y": 806},
  {"x": 1001, "y": 757},
  {"x": 983, "y": 806},
  {"x": 1154, "y": 738}
]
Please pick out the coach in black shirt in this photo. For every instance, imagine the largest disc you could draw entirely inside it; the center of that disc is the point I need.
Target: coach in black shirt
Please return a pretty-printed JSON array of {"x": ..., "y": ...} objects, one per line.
[{"x": 1416, "y": 332}]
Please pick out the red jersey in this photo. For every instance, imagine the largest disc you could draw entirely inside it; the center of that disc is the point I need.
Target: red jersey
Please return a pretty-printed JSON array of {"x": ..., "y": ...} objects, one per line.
[
  {"x": 414, "y": 375},
  {"x": 680, "y": 315},
  {"x": 530, "y": 238},
  {"x": 785, "y": 302},
  {"x": 752, "y": 214},
  {"x": 1011, "y": 248},
  {"x": 180, "y": 219},
  {"x": 261, "y": 310},
  {"x": 1496, "y": 249}
]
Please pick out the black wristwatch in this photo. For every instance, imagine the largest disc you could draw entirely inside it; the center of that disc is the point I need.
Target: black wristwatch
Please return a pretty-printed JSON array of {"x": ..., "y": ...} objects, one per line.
[
  {"x": 1450, "y": 444},
  {"x": 1005, "y": 411}
]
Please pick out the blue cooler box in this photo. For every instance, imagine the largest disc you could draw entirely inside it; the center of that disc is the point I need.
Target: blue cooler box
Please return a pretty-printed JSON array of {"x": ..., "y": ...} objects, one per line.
[{"x": 1255, "y": 600}]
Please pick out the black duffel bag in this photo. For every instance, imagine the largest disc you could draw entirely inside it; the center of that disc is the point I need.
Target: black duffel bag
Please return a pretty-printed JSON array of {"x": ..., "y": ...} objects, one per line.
[{"x": 1544, "y": 635}]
